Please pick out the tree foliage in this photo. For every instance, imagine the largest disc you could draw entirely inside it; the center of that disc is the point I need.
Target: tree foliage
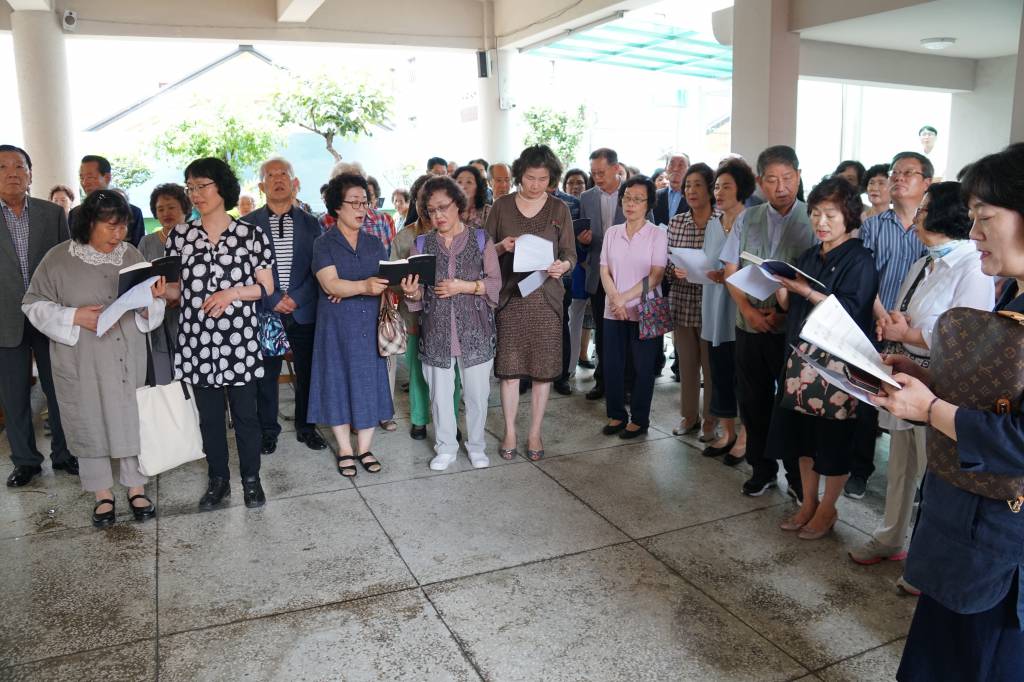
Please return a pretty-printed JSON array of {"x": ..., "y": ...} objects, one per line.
[
  {"x": 560, "y": 130},
  {"x": 330, "y": 109},
  {"x": 128, "y": 171},
  {"x": 243, "y": 144}
]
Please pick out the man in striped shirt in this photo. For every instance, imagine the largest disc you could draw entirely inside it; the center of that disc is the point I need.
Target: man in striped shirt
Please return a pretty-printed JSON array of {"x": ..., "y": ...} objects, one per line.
[{"x": 893, "y": 238}]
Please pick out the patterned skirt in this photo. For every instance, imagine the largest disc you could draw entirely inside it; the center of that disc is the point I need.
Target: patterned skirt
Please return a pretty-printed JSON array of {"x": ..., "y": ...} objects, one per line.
[{"x": 529, "y": 340}]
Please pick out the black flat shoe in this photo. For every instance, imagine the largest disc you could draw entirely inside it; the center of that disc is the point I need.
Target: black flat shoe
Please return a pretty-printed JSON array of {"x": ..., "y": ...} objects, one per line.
[
  {"x": 69, "y": 465},
  {"x": 732, "y": 460},
  {"x": 418, "y": 432},
  {"x": 142, "y": 513},
  {"x": 626, "y": 434},
  {"x": 595, "y": 393},
  {"x": 252, "y": 492},
  {"x": 710, "y": 451},
  {"x": 563, "y": 388},
  {"x": 107, "y": 518},
  {"x": 586, "y": 364},
  {"x": 612, "y": 429},
  {"x": 268, "y": 445},
  {"x": 312, "y": 439},
  {"x": 22, "y": 474},
  {"x": 216, "y": 491},
  {"x": 373, "y": 465}
]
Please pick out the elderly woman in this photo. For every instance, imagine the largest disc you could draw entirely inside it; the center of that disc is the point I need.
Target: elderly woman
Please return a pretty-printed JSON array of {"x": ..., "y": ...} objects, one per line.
[
  {"x": 734, "y": 183},
  {"x": 226, "y": 267},
  {"x": 457, "y": 318},
  {"x": 349, "y": 390},
  {"x": 63, "y": 196},
  {"x": 576, "y": 182},
  {"x": 95, "y": 377},
  {"x": 876, "y": 185},
  {"x": 246, "y": 204},
  {"x": 473, "y": 185},
  {"x": 530, "y": 327},
  {"x": 170, "y": 205},
  {"x": 824, "y": 447},
  {"x": 965, "y": 555},
  {"x": 400, "y": 198},
  {"x": 949, "y": 276},
  {"x": 633, "y": 260},
  {"x": 687, "y": 230}
]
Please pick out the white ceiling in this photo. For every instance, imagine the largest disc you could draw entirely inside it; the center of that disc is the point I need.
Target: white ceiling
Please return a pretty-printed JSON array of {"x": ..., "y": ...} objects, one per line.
[{"x": 982, "y": 28}]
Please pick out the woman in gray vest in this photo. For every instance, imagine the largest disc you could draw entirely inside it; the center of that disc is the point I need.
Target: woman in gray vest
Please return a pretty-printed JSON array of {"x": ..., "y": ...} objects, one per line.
[{"x": 456, "y": 319}]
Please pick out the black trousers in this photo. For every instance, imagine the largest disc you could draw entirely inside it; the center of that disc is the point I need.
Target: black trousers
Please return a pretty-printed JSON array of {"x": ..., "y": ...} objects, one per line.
[
  {"x": 567, "y": 362},
  {"x": 864, "y": 436},
  {"x": 15, "y": 399},
  {"x": 759, "y": 360},
  {"x": 624, "y": 342},
  {"x": 597, "y": 310},
  {"x": 300, "y": 338},
  {"x": 213, "y": 425}
]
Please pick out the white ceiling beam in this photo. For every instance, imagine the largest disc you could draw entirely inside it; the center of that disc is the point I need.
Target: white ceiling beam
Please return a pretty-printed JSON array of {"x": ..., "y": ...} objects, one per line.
[
  {"x": 31, "y": 5},
  {"x": 804, "y": 14},
  {"x": 296, "y": 11}
]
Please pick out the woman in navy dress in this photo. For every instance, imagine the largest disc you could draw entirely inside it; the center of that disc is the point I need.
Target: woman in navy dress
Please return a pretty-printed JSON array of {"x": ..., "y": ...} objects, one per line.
[
  {"x": 349, "y": 388},
  {"x": 967, "y": 551}
]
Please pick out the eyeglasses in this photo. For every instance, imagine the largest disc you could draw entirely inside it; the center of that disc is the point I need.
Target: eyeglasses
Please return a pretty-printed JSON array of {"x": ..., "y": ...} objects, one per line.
[
  {"x": 192, "y": 189},
  {"x": 634, "y": 200},
  {"x": 905, "y": 174},
  {"x": 439, "y": 210},
  {"x": 356, "y": 205}
]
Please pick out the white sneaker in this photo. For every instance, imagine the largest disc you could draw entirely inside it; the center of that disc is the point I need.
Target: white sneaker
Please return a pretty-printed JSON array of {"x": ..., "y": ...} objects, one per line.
[
  {"x": 441, "y": 462},
  {"x": 479, "y": 460}
]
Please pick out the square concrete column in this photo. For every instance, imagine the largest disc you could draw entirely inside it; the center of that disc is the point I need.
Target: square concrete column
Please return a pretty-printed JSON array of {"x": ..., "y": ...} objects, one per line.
[
  {"x": 41, "y": 66},
  {"x": 765, "y": 66},
  {"x": 495, "y": 102}
]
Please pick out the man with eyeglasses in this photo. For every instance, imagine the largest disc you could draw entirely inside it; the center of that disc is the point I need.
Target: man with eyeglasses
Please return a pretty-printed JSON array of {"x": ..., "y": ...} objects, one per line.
[
  {"x": 28, "y": 229},
  {"x": 892, "y": 237},
  {"x": 292, "y": 232},
  {"x": 95, "y": 173}
]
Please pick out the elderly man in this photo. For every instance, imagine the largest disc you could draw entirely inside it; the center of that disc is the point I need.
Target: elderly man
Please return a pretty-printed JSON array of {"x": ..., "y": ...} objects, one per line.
[
  {"x": 500, "y": 176},
  {"x": 670, "y": 202},
  {"x": 292, "y": 232},
  {"x": 28, "y": 229},
  {"x": 94, "y": 173}
]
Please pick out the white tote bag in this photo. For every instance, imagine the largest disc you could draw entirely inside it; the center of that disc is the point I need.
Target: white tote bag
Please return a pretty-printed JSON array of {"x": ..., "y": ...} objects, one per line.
[{"x": 169, "y": 433}]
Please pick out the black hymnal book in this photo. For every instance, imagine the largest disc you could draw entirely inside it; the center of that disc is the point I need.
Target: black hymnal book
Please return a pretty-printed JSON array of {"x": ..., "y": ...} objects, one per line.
[
  {"x": 168, "y": 267},
  {"x": 580, "y": 224},
  {"x": 424, "y": 265}
]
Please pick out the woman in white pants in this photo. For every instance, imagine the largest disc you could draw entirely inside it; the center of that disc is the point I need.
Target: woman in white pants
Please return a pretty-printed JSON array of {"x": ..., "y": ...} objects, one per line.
[{"x": 456, "y": 318}]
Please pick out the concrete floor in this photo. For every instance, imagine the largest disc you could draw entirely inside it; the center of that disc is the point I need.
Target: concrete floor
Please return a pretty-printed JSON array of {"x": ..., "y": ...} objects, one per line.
[{"x": 604, "y": 561}]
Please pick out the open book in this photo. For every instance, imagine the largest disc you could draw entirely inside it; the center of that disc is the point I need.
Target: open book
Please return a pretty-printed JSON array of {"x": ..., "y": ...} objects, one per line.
[
  {"x": 778, "y": 268},
  {"x": 424, "y": 265},
  {"x": 168, "y": 266}
]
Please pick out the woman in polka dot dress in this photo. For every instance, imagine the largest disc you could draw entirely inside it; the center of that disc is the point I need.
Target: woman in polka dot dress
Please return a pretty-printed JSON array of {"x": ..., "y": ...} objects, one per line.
[{"x": 226, "y": 266}]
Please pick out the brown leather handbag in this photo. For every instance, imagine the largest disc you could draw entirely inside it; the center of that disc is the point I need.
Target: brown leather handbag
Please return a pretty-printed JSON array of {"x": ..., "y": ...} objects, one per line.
[{"x": 978, "y": 363}]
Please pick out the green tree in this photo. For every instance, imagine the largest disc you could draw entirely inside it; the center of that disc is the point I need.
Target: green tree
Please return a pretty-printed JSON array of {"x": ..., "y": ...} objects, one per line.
[
  {"x": 560, "y": 130},
  {"x": 243, "y": 144},
  {"x": 128, "y": 171},
  {"x": 330, "y": 109}
]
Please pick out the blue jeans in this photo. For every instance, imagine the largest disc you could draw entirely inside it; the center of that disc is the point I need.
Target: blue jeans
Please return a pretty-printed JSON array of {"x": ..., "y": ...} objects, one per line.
[{"x": 621, "y": 341}]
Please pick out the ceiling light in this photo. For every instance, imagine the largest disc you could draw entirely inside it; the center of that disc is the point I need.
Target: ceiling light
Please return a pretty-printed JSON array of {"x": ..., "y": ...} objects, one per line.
[{"x": 937, "y": 43}]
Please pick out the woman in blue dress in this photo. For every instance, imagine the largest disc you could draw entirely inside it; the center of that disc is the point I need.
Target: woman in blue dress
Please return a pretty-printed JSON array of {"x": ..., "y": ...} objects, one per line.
[{"x": 349, "y": 388}]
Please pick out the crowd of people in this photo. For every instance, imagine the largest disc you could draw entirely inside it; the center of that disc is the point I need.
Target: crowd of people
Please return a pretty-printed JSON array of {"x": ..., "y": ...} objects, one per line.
[{"x": 916, "y": 248}]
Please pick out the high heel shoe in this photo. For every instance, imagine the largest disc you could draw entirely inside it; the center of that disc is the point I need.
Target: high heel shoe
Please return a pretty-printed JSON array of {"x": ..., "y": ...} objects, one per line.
[{"x": 808, "y": 534}]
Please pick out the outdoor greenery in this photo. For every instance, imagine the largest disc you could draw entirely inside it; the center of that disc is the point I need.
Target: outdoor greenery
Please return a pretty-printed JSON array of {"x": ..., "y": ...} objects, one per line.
[
  {"x": 331, "y": 109},
  {"x": 243, "y": 144},
  {"x": 128, "y": 171},
  {"x": 560, "y": 130}
]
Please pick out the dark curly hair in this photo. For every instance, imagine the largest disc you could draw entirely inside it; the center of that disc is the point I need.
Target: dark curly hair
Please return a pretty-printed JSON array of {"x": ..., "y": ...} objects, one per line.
[
  {"x": 873, "y": 172},
  {"x": 703, "y": 170},
  {"x": 221, "y": 174},
  {"x": 839, "y": 191},
  {"x": 855, "y": 165},
  {"x": 173, "y": 191},
  {"x": 338, "y": 187},
  {"x": 642, "y": 181},
  {"x": 947, "y": 212},
  {"x": 741, "y": 173},
  {"x": 480, "y": 198},
  {"x": 101, "y": 206},
  {"x": 587, "y": 182},
  {"x": 997, "y": 179},
  {"x": 537, "y": 156},
  {"x": 440, "y": 183}
]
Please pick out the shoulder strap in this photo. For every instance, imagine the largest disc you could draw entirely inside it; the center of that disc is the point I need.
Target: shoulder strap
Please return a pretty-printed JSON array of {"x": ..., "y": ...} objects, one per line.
[
  {"x": 481, "y": 239},
  {"x": 913, "y": 287},
  {"x": 421, "y": 242}
]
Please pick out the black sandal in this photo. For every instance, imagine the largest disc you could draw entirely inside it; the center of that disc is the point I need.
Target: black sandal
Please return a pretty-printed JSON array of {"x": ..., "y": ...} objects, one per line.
[
  {"x": 105, "y": 519},
  {"x": 142, "y": 513},
  {"x": 369, "y": 466},
  {"x": 346, "y": 470}
]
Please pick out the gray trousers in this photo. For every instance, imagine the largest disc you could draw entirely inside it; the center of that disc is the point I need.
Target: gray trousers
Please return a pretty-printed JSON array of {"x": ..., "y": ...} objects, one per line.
[
  {"x": 907, "y": 463},
  {"x": 97, "y": 473},
  {"x": 476, "y": 388}
]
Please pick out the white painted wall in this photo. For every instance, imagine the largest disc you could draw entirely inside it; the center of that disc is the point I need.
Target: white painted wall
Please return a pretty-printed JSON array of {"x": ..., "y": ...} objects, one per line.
[
  {"x": 980, "y": 120},
  {"x": 870, "y": 66}
]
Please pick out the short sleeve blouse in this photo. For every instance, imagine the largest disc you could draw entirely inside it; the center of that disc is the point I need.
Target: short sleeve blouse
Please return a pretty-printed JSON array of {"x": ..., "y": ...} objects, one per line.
[{"x": 221, "y": 351}]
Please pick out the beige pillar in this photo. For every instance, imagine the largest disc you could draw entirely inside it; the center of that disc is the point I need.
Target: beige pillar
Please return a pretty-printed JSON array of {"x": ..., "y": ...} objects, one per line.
[
  {"x": 41, "y": 66},
  {"x": 497, "y": 109},
  {"x": 766, "y": 62}
]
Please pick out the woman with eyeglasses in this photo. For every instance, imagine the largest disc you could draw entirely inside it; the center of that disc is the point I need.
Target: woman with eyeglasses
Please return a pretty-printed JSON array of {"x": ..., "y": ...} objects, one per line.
[
  {"x": 226, "y": 266},
  {"x": 349, "y": 390}
]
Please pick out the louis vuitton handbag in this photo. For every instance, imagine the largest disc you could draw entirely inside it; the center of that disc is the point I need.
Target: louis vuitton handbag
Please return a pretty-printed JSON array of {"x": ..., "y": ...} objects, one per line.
[{"x": 977, "y": 362}]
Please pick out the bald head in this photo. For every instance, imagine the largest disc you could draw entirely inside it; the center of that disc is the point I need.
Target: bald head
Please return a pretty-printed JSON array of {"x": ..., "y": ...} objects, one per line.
[{"x": 501, "y": 179}]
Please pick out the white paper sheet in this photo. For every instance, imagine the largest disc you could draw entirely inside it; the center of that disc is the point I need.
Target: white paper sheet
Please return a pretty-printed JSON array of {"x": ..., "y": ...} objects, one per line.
[
  {"x": 694, "y": 261},
  {"x": 530, "y": 284},
  {"x": 139, "y": 296},
  {"x": 838, "y": 380},
  {"x": 754, "y": 281},
  {"x": 532, "y": 253},
  {"x": 831, "y": 328}
]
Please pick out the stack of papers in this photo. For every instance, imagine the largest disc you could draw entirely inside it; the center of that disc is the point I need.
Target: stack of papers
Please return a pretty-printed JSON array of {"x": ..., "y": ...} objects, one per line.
[
  {"x": 694, "y": 261},
  {"x": 139, "y": 296},
  {"x": 535, "y": 255}
]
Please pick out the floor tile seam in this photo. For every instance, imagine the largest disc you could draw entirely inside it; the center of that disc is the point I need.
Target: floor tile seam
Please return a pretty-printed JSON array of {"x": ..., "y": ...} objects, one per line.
[
  {"x": 78, "y": 652},
  {"x": 726, "y": 609},
  {"x": 440, "y": 474},
  {"x": 391, "y": 540},
  {"x": 463, "y": 649},
  {"x": 856, "y": 655},
  {"x": 710, "y": 521}
]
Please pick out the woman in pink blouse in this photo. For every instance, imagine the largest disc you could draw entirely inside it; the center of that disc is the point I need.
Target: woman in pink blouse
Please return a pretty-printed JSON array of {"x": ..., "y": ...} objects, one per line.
[{"x": 633, "y": 255}]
